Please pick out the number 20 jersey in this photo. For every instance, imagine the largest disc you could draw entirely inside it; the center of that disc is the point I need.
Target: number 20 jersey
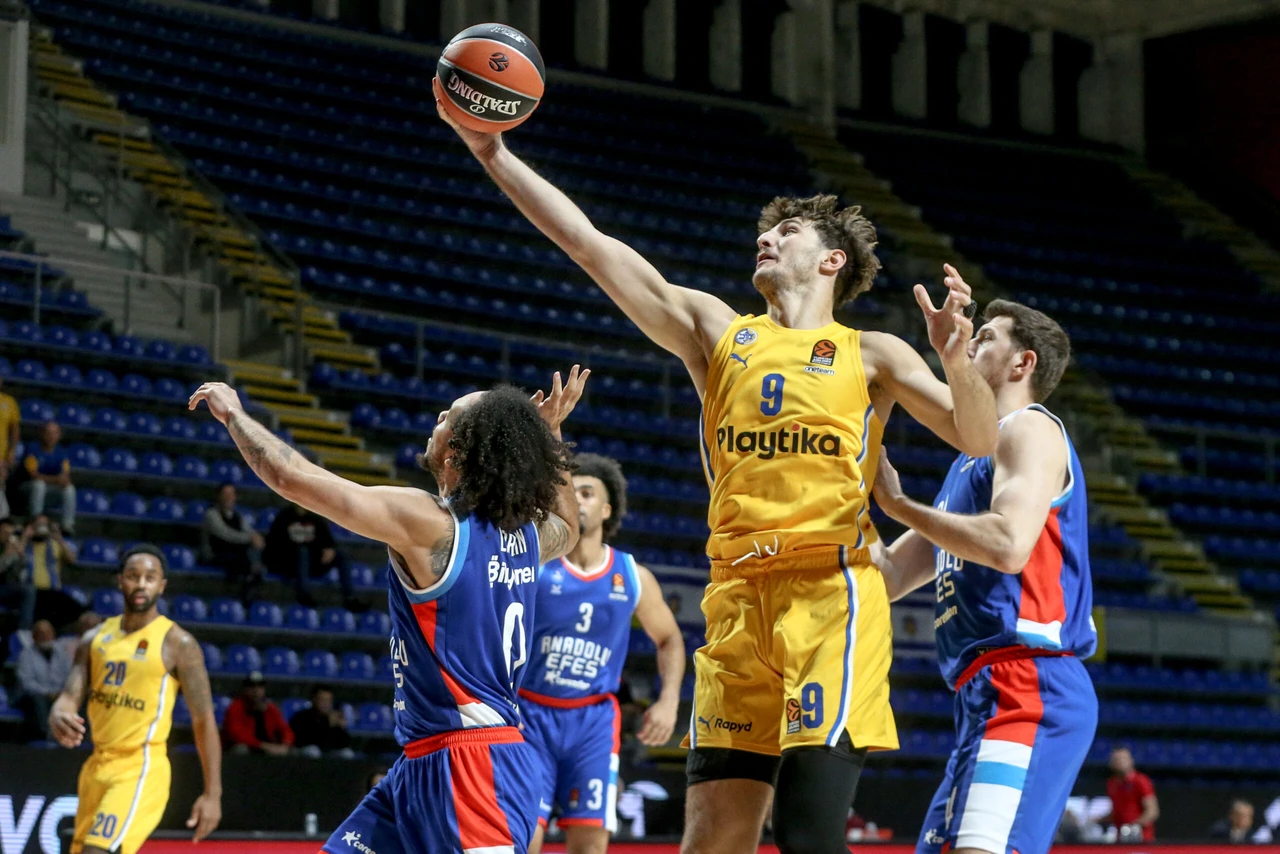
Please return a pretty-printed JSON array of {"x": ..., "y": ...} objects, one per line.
[
  {"x": 459, "y": 646},
  {"x": 1046, "y": 606}
]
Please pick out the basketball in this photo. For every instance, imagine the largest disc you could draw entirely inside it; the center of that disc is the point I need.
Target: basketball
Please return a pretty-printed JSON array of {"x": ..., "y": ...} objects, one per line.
[{"x": 492, "y": 76}]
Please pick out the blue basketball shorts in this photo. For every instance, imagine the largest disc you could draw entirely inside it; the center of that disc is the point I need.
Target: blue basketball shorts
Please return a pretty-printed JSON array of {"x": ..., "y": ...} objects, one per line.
[{"x": 577, "y": 747}]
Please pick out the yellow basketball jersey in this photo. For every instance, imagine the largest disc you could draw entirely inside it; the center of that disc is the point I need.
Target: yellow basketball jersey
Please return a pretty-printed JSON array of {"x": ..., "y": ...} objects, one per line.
[
  {"x": 131, "y": 694},
  {"x": 790, "y": 443}
]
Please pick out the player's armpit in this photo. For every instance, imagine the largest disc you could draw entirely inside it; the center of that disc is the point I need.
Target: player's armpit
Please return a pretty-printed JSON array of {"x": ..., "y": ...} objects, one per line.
[{"x": 185, "y": 659}]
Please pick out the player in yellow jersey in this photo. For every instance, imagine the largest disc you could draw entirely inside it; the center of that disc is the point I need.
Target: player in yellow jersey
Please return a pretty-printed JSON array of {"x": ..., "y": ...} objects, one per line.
[
  {"x": 131, "y": 668},
  {"x": 792, "y": 686}
]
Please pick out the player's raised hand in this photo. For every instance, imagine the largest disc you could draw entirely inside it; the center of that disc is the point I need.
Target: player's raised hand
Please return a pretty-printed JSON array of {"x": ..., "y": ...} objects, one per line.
[
  {"x": 221, "y": 399},
  {"x": 206, "y": 813},
  {"x": 659, "y": 722},
  {"x": 479, "y": 143},
  {"x": 949, "y": 326},
  {"x": 66, "y": 726},
  {"x": 555, "y": 408}
]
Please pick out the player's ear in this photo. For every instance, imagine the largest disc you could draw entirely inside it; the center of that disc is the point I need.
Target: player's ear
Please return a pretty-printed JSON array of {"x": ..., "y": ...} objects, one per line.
[
  {"x": 1026, "y": 364},
  {"x": 607, "y": 513},
  {"x": 832, "y": 262}
]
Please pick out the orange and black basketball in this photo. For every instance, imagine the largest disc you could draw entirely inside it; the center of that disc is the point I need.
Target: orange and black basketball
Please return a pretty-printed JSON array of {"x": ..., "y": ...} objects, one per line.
[
  {"x": 824, "y": 349},
  {"x": 793, "y": 710},
  {"x": 492, "y": 76}
]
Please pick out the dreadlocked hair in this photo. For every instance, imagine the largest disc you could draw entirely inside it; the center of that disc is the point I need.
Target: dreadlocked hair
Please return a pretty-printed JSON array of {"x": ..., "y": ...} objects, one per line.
[
  {"x": 608, "y": 472},
  {"x": 509, "y": 464},
  {"x": 840, "y": 228}
]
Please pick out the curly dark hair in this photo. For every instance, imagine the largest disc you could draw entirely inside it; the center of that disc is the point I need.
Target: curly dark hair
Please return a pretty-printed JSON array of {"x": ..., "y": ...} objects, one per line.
[
  {"x": 509, "y": 464},
  {"x": 607, "y": 471},
  {"x": 839, "y": 228},
  {"x": 145, "y": 549}
]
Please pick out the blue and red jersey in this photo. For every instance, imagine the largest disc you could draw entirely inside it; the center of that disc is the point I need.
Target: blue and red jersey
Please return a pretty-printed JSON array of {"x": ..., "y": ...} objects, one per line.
[
  {"x": 582, "y": 631},
  {"x": 460, "y": 646},
  {"x": 1048, "y": 606}
]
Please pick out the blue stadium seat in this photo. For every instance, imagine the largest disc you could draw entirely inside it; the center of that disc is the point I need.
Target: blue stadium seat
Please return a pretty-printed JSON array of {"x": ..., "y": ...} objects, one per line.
[
  {"x": 108, "y": 602},
  {"x": 337, "y": 620},
  {"x": 179, "y": 557},
  {"x": 241, "y": 658},
  {"x": 291, "y": 706},
  {"x": 212, "y": 657},
  {"x": 373, "y": 717},
  {"x": 319, "y": 664},
  {"x": 375, "y": 623},
  {"x": 266, "y": 614},
  {"x": 226, "y": 610},
  {"x": 302, "y": 617},
  {"x": 357, "y": 665},
  {"x": 281, "y": 661},
  {"x": 189, "y": 608}
]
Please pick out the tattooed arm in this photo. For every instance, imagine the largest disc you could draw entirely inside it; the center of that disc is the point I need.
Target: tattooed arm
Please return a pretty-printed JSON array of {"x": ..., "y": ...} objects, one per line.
[
  {"x": 558, "y": 532},
  {"x": 65, "y": 723},
  {"x": 408, "y": 520},
  {"x": 185, "y": 659}
]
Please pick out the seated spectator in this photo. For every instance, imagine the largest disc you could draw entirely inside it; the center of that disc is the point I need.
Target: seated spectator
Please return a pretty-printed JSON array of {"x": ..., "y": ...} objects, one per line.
[
  {"x": 1239, "y": 828},
  {"x": 229, "y": 542},
  {"x": 43, "y": 668},
  {"x": 17, "y": 593},
  {"x": 300, "y": 546},
  {"x": 10, "y": 424},
  {"x": 47, "y": 553},
  {"x": 253, "y": 723},
  {"x": 320, "y": 728},
  {"x": 1133, "y": 798},
  {"x": 50, "y": 469}
]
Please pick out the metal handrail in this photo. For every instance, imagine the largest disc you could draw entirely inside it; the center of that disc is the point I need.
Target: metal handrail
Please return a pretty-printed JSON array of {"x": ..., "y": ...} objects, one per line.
[{"x": 41, "y": 262}]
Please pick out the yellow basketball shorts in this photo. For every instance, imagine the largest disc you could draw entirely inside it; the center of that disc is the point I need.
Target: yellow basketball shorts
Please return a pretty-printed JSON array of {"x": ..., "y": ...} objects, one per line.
[
  {"x": 122, "y": 797},
  {"x": 795, "y": 658}
]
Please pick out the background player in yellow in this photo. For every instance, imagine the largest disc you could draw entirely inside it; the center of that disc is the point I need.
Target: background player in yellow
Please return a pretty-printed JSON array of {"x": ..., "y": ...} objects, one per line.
[
  {"x": 131, "y": 667},
  {"x": 798, "y": 635},
  {"x": 10, "y": 424}
]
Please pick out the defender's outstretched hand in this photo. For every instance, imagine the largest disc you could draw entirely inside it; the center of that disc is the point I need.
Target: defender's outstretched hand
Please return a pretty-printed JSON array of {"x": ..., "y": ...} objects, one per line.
[
  {"x": 949, "y": 327},
  {"x": 888, "y": 488},
  {"x": 555, "y": 408}
]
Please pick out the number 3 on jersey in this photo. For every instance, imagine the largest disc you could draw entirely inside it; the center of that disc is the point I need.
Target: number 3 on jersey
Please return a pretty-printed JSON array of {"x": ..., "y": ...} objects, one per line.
[{"x": 771, "y": 391}]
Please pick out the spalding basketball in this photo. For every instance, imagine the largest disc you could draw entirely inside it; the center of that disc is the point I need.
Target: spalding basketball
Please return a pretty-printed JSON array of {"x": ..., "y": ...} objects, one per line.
[{"x": 492, "y": 76}]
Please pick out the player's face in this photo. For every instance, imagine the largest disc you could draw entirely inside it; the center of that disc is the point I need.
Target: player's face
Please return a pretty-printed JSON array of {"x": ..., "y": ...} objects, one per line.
[
  {"x": 993, "y": 351},
  {"x": 593, "y": 503},
  {"x": 142, "y": 582},
  {"x": 787, "y": 255},
  {"x": 437, "y": 452},
  {"x": 1121, "y": 761}
]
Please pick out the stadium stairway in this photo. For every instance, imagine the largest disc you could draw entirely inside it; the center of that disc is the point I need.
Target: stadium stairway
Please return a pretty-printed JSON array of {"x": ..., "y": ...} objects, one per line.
[
  {"x": 324, "y": 433},
  {"x": 1082, "y": 397},
  {"x": 174, "y": 187}
]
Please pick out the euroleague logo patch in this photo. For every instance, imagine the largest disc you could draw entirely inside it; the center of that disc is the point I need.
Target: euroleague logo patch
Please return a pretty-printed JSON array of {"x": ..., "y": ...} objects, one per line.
[
  {"x": 141, "y": 652},
  {"x": 793, "y": 716},
  {"x": 824, "y": 353},
  {"x": 747, "y": 336},
  {"x": 499, "y": 61}
]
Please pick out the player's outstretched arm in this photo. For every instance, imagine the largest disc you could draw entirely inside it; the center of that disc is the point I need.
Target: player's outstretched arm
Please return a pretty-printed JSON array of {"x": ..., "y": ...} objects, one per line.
[
  {"x": 907, "y": 565},
  {"x": 65, "y": 724},
  {"x": 558, "y": 533},
  {"x": 1030, "y": 471},
  {"x": 186, "y": 660},
  {"x": 682, "y": 321},
  {"x": 660, "y": 625},
  {"x": 405, "y": 519}
]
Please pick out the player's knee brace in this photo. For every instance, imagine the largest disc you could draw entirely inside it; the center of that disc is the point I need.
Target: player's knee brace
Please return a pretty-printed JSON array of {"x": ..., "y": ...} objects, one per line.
[{"x": 815, "y": 790}]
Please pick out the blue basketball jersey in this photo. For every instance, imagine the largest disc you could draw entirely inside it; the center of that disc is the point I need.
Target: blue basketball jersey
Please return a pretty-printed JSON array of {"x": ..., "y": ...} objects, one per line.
[
  {"x": 583, "y": 628},
  {"x": 460, "y": 645},
  {"x": 1047, "y": 606}
]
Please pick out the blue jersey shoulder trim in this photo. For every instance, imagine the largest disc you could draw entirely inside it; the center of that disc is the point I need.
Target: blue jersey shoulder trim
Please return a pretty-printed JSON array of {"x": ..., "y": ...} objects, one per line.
[
  {"x": 461, "y": 543},
  {"x": 629, "y": 565}
]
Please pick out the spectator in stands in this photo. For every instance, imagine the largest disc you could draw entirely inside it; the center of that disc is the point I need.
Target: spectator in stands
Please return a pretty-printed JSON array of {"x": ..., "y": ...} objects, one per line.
[
  {"x": 16, "y": 590},
  {"x": 50, "y": 469},
  {"x": 1133, "y": 797},
  {"x": 228, "y": 541},
  {"x": 10, "y": 424},
  {"x": 43, "y": 668},
  {"x": 300, "y": 546},
  {"x": 47, "y": 553},
  {"x": 253, "y": 723},
  {"x": 320, "y": 728},
  {"x": 1238, "y": 828}
]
